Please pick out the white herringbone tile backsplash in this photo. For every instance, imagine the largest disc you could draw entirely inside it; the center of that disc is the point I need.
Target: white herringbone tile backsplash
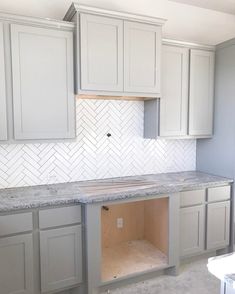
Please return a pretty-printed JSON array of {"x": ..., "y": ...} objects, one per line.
[{"x": 94, "y": 155}]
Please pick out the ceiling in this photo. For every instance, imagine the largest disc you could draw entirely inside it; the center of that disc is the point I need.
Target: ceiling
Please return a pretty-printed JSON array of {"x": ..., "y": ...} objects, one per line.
[
  {"x": 191, "y": 22},
  {"x": 227, "y": 6}
]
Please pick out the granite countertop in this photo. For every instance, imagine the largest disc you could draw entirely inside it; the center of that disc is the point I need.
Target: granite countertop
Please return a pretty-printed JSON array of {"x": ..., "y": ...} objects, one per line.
[
  {"x": 223, "y": 267},
  {"x": 95, "y": 191}
]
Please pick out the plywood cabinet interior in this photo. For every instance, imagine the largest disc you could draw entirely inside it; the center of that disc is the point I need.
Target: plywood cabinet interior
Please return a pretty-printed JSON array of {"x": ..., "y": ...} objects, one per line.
[
  {"x": 3, "y": 105},
  {"x": 174, "y": 101},
  {"x": 201, "y": 93},
  {"x": 101, "y": 53},
  {"x": 16, "y": 264},
  {"x": 140, "y": 244},
  {"x": 42, "y": 69},
  {"x": 142, "y": 53}
]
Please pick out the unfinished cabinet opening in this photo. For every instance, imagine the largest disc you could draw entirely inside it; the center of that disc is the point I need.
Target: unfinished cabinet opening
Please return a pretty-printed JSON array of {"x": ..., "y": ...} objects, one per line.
[{"x": 134, "y": 237}]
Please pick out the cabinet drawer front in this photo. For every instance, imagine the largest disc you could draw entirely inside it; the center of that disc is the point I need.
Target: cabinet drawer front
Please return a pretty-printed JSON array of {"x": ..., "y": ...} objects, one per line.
[
  {"x": 219, "y": 193},
  {"x": 189, "y": 198},
  {"x": 16, "y": 223},
  {"x": 56, "y": 217}
]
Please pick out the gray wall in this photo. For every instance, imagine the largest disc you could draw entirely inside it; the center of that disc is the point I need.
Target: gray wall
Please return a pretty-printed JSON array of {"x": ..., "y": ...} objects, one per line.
[{"x": 217, "y": 155}]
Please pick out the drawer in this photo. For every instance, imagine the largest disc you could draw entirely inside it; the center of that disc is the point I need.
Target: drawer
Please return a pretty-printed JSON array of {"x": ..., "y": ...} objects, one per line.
[
  {"x": 218, "y": 193},
  {"x": 56, "y": 217},
  {"x": 16, "y": 223},
  {"x": 194, "y": 197}
]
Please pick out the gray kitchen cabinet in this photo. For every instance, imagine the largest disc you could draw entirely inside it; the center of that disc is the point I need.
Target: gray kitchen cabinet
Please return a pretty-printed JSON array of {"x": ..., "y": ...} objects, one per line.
[
  {"x": 201, "y": 93},
  {"x": 117, "y": 54},
  {"x": 61, "y": 258},
  {"x": 174, "y": 101},
  {"x": 218, "y": 225},
  {"x": 3, "y": 106},
  {"x": 42, "y": 73},
  {"x": 185, "y": 109},
  {"x": 101, "y": 53},
  {"x": 192, "y": 230},
  {"x": 16, "y": 264},
  {"x": 142, "y": 48}
]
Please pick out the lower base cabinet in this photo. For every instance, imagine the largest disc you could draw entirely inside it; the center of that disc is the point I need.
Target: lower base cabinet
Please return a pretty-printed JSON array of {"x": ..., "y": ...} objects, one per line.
[
  {"x": 61, "y": 258},
  {"x": 16, "y": 254},
  {"x": 192, "y": 230},
  {"x": 218, "y": 225},
  {"x": 205, "y": 221}
]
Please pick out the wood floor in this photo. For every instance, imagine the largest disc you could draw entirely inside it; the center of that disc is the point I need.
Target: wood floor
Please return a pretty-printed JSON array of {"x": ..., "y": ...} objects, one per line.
[{"x": 130, "y": 257}]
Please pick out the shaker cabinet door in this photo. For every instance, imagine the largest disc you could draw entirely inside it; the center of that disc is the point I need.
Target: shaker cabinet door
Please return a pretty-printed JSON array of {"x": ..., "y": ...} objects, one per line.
[
  {"x": 174, "y": 101},
  {"x": 142, "y": 48},
  {"x": 218, "y": 224},
  {"x": 61, "y": 258},
  {"x": 201, "y": 94},
  {"x": 16, "y": 265},
  {"x": 3, "y": 109},
  {"x": 101, "y": 53},
  {"x": 192, "y": 230},
  {"x": 42, "y": 69}
]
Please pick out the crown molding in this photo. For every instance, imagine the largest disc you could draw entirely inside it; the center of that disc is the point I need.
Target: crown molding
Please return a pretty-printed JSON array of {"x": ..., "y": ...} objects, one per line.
[
  {"x": 79, "y": 8},
  {"x": 46, "y": 22},
  {"x": 188, "y": 44}
]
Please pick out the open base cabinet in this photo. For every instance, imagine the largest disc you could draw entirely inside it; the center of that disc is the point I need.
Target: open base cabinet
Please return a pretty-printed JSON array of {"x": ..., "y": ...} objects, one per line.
[{"x": 134, "y": 237}]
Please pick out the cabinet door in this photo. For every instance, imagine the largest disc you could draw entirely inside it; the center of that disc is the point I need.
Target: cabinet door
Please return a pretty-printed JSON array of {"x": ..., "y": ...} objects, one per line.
[
  {"x": 218, "y": 225},
  {"x": 61, "y": 258},
  {"x": 174, "y": 101},
  {"x": 101, "y": 53},
  {"x": 16, "y": 265},
  {"x": 42, "y": 68},
  {"x": 3, "y": 110},
  {"x": 142, "y": 47},
  {"x": 192, "y": 230},
  {"x": 201, "y": 94}
]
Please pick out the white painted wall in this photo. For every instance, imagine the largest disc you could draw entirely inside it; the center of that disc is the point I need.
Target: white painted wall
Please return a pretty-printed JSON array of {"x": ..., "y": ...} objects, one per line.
[{"x": 185, "y": 22}]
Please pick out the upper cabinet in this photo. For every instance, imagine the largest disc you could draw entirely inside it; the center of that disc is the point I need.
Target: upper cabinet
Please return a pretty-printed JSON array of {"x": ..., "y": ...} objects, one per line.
[
  {"x": 201, "y": 94},
  {"x": 142, "y": 48},
  {"x": 117, "y": 53},
  {"x": 42, "y": 69},
  {"x": 186, "y": 104},
  {"x": 3, "y": 107}
]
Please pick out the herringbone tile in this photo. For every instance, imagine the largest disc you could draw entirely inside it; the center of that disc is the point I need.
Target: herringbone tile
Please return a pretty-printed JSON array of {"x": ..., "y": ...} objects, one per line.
[{"x": 94, "y": 155}]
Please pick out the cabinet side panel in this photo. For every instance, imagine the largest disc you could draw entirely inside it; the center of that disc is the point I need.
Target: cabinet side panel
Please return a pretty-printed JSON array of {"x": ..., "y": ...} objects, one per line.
[{"x": 151, "y": 119}]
